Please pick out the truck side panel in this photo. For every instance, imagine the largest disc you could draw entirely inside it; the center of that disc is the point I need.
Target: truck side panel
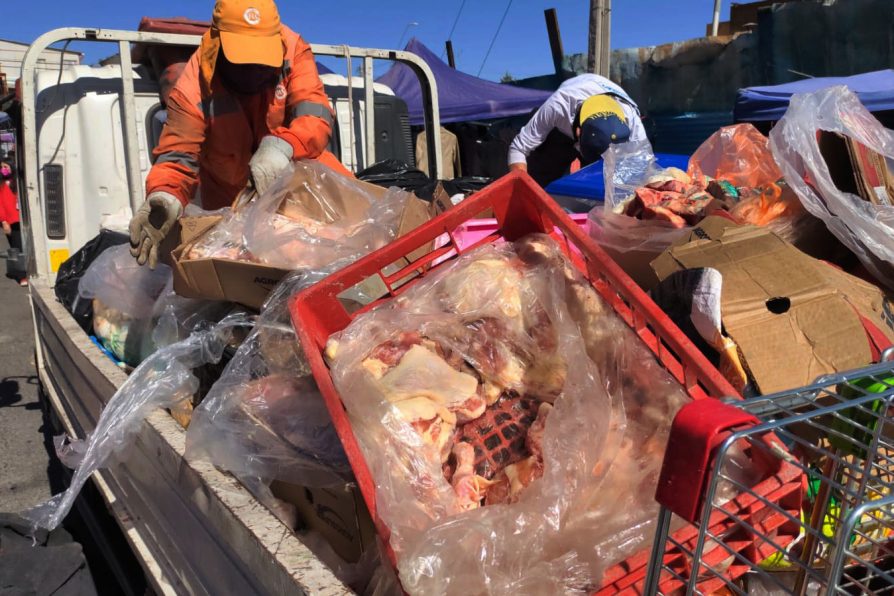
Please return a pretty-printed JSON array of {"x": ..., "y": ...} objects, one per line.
[{"x": 203, "y": 531}]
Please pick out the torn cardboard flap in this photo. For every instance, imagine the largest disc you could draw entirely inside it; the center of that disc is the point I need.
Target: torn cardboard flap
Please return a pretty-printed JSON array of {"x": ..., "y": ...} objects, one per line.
[
  {"x": 337, "y": 513},
  {"x": 790, "y": 324}
]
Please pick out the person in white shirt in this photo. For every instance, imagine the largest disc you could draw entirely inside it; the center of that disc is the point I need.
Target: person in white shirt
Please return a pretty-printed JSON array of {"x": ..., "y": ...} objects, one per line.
[{"x": 580, "y": 120}]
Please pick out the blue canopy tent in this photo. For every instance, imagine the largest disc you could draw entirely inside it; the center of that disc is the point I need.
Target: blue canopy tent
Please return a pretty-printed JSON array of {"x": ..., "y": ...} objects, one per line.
[
  {"x": 754, "y": 104},
  {"x": 461, "y": 97}
]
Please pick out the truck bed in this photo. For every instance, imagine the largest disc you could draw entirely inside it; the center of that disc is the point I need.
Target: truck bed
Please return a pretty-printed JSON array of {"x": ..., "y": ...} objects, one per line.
[{"x": 194, "y": 529}]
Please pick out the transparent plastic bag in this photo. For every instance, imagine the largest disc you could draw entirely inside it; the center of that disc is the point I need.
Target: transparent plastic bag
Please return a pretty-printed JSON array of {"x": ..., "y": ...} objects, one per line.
[
  {"x": 120, "y": 283},
  {"x": 309, "y": 218},
  {"x": 865, "y": 228},
  {"x": 175, "y": 317},
  {"x": 264, "y": 419},
  {"x": 124, "y": 296},
  {"x": 161, "y": 381},
  {"x": 524, "y": 326},
  {"x": 626, "y": 167},
  {"x": 223, "y": 241},
  {"x": 629, "y": 166},
  {"x": 314, "y": 216}
]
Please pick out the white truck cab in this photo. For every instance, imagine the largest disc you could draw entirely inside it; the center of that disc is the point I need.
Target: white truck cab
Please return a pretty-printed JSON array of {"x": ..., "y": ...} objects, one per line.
[{"x": 80, "y": 144}]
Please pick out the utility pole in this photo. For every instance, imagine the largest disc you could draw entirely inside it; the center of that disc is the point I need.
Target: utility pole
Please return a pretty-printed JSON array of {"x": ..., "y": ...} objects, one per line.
[
  {"x": 555, "y": 39},
  {"x": 594, "y": 44},
  {"x": 450, "y": 59},
  {"x": 715, "y": 22},
  {"x": 606, "y": 46}
]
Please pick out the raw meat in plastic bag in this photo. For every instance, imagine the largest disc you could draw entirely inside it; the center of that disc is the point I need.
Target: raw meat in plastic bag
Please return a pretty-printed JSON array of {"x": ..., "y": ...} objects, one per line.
[
  {"x": 513, "y": 424},
  {"x": 264, "y": 419},
  {"x": 863, "y": 227},
  {"x": 648, "y": 209},
  {"x": 629, "y": 166},
  {"x": 309, "y": 218},
  {"x": 740, "y": 155},
  {"x": 315, "y": 216},
  {"x": 223, "y": 241},
  {"x": 162, "y": 380}
]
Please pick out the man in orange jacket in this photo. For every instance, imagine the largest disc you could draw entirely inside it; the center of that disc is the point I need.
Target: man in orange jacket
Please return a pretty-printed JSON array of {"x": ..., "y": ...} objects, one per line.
[{"x": 248, "y": 103}]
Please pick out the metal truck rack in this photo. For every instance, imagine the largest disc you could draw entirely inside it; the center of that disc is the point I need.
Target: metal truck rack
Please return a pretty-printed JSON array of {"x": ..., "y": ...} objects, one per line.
[
  {"x": 32, "y": 203},
  {"x": 839, "y": 432}
]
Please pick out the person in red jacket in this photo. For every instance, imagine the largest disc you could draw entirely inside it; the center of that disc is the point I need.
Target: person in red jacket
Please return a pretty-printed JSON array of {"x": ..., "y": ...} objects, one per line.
[
  {"x": 249, "y": 102},
  {"x": 9, "y": 212}
]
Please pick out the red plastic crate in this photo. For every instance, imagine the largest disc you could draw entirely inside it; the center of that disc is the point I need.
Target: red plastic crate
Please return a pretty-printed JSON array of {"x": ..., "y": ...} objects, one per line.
[{"x": 521, "y": 208}]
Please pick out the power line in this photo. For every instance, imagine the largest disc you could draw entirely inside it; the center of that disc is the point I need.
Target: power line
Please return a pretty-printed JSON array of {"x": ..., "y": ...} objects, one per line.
[
  {"x": 455, "y": 21},
  {"x": 496, "y": 33}
]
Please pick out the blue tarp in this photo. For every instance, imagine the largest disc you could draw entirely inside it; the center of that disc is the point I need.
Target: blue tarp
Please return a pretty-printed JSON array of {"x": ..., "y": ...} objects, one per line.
[
  {"x": 588, "y": 183},
  {"x": 323, "y": 69},
  {"x": 461, "y": 97},
  {"x": 875, "y": 90}
]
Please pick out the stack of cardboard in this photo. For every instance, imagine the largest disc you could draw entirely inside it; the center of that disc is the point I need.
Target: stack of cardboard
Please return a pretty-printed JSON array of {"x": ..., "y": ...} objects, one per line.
[{"x": 857, "y": 169}]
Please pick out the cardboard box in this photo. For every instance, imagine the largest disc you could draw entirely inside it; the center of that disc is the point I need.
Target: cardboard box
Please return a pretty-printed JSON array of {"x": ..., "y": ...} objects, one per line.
[
  {"x": 637, "y": 264},
  {"x": 249, "y": 284},
  {"x": 793, "y": 318},
  {"x": 857, "y": 169},
  {"x": 339, "y": 514}
]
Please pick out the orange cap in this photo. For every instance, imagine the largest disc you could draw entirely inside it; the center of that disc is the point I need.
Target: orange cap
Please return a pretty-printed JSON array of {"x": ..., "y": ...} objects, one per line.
[{"x": 249, "y": 31}]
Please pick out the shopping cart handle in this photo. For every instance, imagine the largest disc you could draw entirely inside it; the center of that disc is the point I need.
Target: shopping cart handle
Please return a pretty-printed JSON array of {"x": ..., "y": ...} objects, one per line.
[{"x": 698, "y": 429}]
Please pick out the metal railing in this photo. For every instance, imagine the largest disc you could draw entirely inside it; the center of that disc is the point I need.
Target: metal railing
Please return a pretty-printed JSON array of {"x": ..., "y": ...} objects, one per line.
[{"x": 33, "y": 210}]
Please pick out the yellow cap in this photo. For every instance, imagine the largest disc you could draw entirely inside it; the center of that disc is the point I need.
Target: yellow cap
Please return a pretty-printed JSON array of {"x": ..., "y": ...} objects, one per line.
[
  {"x": 601, "y": 106},
  {"x": 249, "y": 31}
]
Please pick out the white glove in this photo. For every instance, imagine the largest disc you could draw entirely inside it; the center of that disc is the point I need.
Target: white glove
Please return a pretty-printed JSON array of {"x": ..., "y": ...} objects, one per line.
[
  {"x": 151, "y": 225},
  {"x": 269, "y": 162}
]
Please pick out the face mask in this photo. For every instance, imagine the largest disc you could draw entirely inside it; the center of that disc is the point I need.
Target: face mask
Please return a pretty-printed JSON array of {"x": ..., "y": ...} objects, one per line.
[{"x": 245, "y": 79}]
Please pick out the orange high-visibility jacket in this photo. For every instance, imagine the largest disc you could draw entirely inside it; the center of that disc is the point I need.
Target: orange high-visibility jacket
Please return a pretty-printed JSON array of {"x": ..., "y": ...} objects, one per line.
[{"x": 211, "y": 134}]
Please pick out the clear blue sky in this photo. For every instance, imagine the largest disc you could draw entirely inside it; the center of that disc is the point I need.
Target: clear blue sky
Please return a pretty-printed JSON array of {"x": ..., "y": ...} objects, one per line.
[{"x": 522, "y": 47}]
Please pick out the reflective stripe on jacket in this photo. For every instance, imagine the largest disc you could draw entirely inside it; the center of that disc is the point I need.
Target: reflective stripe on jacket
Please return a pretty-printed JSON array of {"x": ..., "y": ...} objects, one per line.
[{"x": 212, "y": 133}]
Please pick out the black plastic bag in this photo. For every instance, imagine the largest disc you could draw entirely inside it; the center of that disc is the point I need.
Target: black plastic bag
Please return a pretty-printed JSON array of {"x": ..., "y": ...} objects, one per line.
[
  {"x": 391, "y": 172},
  {"x": 72, "y": 270}
]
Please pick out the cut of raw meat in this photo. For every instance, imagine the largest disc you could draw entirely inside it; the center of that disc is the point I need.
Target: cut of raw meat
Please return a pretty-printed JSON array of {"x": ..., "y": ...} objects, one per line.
[{"x": 499, "y": 435}]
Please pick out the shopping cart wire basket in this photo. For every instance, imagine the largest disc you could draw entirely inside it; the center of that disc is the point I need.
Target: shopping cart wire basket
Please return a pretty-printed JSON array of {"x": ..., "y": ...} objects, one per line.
[{"x": 839, "y": 434}]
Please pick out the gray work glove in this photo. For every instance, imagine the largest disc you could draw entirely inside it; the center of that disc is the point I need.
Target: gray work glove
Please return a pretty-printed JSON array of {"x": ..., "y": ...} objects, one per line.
[
  {"x": 151, "y": 225},
  {"x": 269, "y": 162}
]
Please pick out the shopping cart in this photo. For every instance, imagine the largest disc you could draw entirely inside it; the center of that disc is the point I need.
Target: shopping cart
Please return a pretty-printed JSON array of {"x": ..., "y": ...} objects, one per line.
[{"x": 840, "y": 433}]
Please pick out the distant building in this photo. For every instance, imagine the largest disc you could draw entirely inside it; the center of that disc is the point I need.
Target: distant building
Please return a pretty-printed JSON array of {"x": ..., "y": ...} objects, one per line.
[
  {"x": 12, "y": 53},
  {"x": 743, "y": 17}
]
